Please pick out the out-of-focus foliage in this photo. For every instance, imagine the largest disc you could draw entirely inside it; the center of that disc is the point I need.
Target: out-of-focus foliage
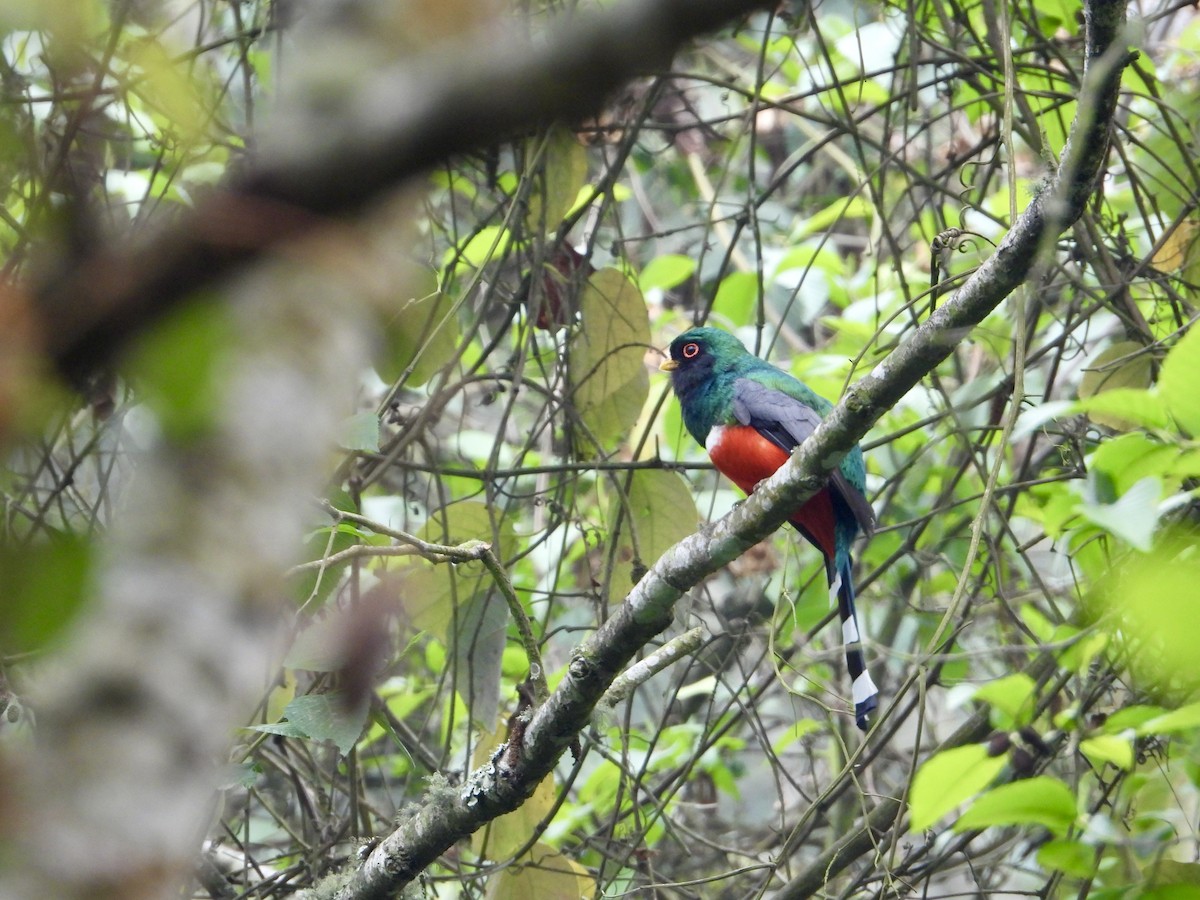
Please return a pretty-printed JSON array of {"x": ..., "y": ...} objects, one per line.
[{"x": 815, "y": 181}]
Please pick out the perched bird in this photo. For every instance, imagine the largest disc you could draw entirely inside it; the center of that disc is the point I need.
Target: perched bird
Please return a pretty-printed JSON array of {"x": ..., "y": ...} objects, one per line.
[{"x": 749, "y": 416}]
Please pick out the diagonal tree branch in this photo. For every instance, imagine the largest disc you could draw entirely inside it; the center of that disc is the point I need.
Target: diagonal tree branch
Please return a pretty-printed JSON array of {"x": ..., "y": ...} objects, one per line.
[
  {"x": 511, "y": 776},
  {"x": 322, "y": 162}
]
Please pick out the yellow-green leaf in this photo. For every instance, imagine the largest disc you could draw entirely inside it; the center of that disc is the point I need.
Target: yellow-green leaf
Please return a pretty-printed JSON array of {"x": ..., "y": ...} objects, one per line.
[
  {"x": 1012, "y": 695},
  {"x": 656, "y": 512},
  {"x": 560, "y": 171},
  {"x": 428, "y": 590},
  {"x": 666, "y": 271},
  {"x": 1070, "y": 857},
  {"x": 1186, "y": 718},
  {"x": 796, "y": 731},
  {"x": 420, "y": 336},
  {"x": 1173, "y": 872},
  {"x": 1041, "y": 801},
  {"x": 1181, "y": 249},
  {"x": 542, "y": 874},
  {"x": 1153, "y": 595},
  {"x": 1125, "y": 364},
  {"x": 1178, "y": 379},
  {"x": 842, "y": 209},
  {"x": 606, "y": 366},
  {"x": 180, "y": 366},
  {"x": 1108, "y": 748},
  {"x": 948, "y": 779},
  {"x": 1130, "y": 406},
  {"x": 170, "y": 89}
]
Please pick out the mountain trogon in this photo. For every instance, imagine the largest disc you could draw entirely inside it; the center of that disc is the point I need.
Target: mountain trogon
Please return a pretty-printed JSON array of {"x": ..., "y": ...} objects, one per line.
[{"x": 749, "y": 416}]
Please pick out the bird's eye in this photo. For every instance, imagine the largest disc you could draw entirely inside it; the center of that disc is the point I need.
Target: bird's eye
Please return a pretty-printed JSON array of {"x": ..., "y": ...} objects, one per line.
[{"x": 691, "y": 351}]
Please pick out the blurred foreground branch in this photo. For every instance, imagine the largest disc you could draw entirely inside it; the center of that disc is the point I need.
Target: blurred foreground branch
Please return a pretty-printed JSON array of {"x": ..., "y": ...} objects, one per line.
[{"x": 331, "y": 159}]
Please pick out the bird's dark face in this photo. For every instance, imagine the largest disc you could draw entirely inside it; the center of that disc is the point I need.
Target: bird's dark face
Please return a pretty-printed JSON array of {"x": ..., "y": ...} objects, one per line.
[
  {"x": 690, "y": 358},
  {"x": 697, "y": 355},
  {"x": 703, "y": 363}
]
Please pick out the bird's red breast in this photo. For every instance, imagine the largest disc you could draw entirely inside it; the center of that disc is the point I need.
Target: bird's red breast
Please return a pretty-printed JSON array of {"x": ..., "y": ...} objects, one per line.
[{"x": 745, "y": 457}]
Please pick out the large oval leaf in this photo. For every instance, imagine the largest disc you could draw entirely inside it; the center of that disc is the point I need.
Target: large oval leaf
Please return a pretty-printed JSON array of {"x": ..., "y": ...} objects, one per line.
[
  {"x": 948, "y": 779},
  {"x": 561, "y": 167},
  {"x": 1041, "y": 801},
  {"x": 606, "y": 367},
  {"x": 1123, "y": 365},
  {"x": 420, "y": 335},
  {"x": 459, "y": 604},
  {"x": 654, "y": 513},
  {"x": 1177, "y": 382},
  {"x": 543, "y": 874}
]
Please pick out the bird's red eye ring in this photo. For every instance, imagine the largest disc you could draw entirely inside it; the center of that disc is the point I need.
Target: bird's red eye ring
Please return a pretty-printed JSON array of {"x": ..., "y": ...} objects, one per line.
[{"x": 691, "y": 351}]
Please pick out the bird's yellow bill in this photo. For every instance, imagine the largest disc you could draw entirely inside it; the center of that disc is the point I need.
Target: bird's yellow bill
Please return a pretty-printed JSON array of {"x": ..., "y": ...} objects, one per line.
[{"x": 668, "y": 365}]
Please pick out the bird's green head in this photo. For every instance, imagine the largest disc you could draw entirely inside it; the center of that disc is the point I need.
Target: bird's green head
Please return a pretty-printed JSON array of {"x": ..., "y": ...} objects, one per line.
[
  {"x": 704, "y": 362},
  {"x": 701, "y": 353}
]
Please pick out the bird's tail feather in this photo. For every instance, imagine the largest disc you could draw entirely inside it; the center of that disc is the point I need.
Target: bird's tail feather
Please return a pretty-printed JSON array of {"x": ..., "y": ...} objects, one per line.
[{"x": 863, "y": 690}]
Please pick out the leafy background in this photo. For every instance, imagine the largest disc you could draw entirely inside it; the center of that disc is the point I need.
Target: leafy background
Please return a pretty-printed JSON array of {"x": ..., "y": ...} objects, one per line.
[{"x": 813, "y": 179}]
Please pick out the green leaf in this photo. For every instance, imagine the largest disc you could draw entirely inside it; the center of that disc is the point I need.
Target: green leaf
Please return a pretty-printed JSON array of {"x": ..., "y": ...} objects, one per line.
[
  {"x": 313, "y": 587},
  {"x": 1172, "y": 872},
  {"x": 1125, "y": 364},
  {"x": 1133, "y": 517},
  {"x": 1171, "y": 892},
  {"x": 1079, "y": 655},
  {"x": 1108, "y": 748},
  {"x": 1037, "y": 622},
  {"x": 948, "y": 779},
  {"x": 795, "y": 732},
  {"x": 1041, "y": 801},
  {"x": 657, "y": 511},
  {"x": 420, "y": 336},
  {"x": 606, "y": 365},
  {"x": 1178, "y": 379},
  {"x": 487, "y": 245},
  {"x": 558, "y": 180},
  {"x": 1153, "y": 596},
  {"x": 856, "y": 207},
  {"x": 1055, "y": 14},
  {"x": 428, "y": 590},
  {"x": 179, "y": 369},
  {"x": 1013, "y": 695},
  {"x": 737, "y": 298},
  {"x": 44, "y": 587},
  {"x": 283, "y": 729},
  {"x": 361, "y": 432},
  {"x": 665, "y": 272},
  {"x": 1132, "y": 717},
  {"x": 328, "y": 717},
  {"x": 1128, "y": 458},
  {"x": 542, "y": 874},
  {"x": 1177, "y": 721},
  {"x": 476, "y": 652},
  {"x": 1146, "y": 409},
  {"x": 1070, "y": 857}
]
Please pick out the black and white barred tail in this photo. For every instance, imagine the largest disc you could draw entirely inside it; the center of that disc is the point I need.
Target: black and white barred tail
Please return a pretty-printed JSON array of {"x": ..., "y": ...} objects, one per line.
[{"x": 862, "y": 688}]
